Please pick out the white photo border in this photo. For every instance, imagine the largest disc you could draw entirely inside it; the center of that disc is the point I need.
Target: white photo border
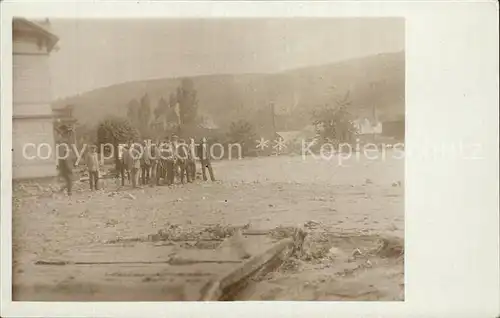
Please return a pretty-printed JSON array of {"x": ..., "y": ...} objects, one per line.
[{"x": 451, "y": 206}]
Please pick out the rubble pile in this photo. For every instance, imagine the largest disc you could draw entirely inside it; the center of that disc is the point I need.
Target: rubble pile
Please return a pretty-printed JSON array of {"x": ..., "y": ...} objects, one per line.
[
  {"x": 389, "y": 247},
  {"x": 177, "y": 233},
  {"x": 315, "y": 248},
  {"x": 281, "y": 232}
]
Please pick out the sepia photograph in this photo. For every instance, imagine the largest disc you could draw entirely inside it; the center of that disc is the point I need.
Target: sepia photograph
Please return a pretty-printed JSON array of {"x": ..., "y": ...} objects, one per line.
[
  {"x": 208, "y": 159},
  {"x": 249, "y": 159}
]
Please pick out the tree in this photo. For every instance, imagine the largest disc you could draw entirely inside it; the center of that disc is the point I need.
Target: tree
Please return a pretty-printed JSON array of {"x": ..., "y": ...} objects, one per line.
[
  {"x": 114, "y": 131},
  {"x": 144, "y": 114},
  {"x": 144, "y": 117},
  {"x": 186, "y": 96},
  {"x": 161, "y": 109},
  {"x": 334, "y": 122},
  {"x": 133, "y": 112},
  {"x": 85, "y": 134},
  {"x": 172, "y": 100},
  {"x": 242, "y": 132}
]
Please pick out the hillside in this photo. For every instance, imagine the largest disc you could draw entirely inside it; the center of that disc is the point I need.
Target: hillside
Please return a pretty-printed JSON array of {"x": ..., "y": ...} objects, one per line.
[{"x": 375, "y": 81}]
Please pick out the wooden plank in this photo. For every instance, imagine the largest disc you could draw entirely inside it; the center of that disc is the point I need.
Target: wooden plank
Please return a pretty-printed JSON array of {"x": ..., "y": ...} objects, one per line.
[
  {"x": 172, "y": 261},
  {"x": 214, "y": 290}
]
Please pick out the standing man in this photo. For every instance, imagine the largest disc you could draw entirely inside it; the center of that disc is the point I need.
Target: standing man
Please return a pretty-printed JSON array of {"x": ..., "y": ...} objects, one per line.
[
  {"x": 120, "y": 165},
  {"x": 182, "y": 157},
  {"x": 161, "y": 164},
  {"x": 204, "y": 154},
  {"x": 92, "y": 161},
  {"x": 65, "y": 167},
  {"x": 165, "y": 164},
  {"x": 126, "y": 163},
  {"x": 145, "y": 163},
  {"x": 170, "y": 162},
  {"x": 191, "y": 164},
  {"x": 175, "y": 150},
  {"x": 154, "y": 160},
  {"x": 134, "y": 164}
]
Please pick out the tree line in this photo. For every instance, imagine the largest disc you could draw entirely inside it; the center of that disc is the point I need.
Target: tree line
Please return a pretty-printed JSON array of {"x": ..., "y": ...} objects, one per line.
[{"x": 333, "y": 121}]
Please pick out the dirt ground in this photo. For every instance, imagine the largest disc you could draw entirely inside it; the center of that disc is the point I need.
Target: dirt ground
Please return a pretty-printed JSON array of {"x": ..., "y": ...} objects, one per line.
[{"x": 361, "y": 198}]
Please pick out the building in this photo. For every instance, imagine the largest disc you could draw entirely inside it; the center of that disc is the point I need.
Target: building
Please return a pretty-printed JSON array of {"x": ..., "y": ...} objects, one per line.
[
  {"x": 394, "y": 127},
  {"x": 32, "y": 117},
  {"x": 293, "y": 140},
  {"x": 366, "y": 126}
]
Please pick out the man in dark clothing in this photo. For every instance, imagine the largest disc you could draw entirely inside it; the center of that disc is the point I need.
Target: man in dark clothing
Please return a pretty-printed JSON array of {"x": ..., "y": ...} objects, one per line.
[
  {"x": 92, "y": 162},
  {"x": 154, "y": 161},
  {"x": 121, "y": 165},
  {"x": 191, "y": 162},
  {"x": 166, "y": 163},
  {"x": 170, "y": 163},
  {"x": 145, "y": 163},
  {"x": 120, "y": 170},
  {"x": 65, "y": 167},
  {"x": 204, "y": 155},
  {"x": 182, "y": 158}
]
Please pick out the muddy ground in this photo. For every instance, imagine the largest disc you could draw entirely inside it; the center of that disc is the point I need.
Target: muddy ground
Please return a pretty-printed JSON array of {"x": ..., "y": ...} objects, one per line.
[{"x": 361, "y": 204}]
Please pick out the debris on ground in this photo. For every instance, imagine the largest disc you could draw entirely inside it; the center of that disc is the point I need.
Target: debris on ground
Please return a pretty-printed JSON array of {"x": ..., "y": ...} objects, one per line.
[
  {"x": 236, "y": 245},
  {"x": 389, "y": 247},
  {"x": 392, "y": 227},
  {"x": 281, "y": 232},
  {"x": 175, "y": 233},
  {"x": 314, "y": 247},
  {"x": 356, "y": 252},
  {"x": 312, "y": 224},
  {"x": 130, "y": 196},
  {"x": 291, "y": 264},
  {"x": 111, "y": 223}
]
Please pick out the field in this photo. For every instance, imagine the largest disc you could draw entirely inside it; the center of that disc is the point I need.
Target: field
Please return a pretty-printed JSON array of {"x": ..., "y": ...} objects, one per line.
[{"x": 360, "y": 197}]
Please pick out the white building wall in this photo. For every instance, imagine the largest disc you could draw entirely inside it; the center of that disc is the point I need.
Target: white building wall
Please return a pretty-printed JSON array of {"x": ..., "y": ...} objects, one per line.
[{"x": 32, "y": 125}]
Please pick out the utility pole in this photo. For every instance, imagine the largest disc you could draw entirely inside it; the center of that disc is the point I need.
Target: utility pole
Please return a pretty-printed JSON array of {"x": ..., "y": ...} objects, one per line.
[
  {"x": 273, "y": 117},
  {"x": 374, "y": 114}
]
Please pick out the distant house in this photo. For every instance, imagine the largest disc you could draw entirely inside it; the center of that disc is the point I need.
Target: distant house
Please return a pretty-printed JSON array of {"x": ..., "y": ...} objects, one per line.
[
  {"x": 293, "y": 139},
  {"x": 366, "y": 126},
  {"x": 32, "y": 118},
  {"x": 297, "y": 135},
  {"x": 394, "y": 127}
]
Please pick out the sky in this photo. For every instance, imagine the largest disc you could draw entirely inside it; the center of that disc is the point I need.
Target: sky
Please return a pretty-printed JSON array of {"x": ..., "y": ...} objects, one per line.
[{"x": 98, "y": 53}]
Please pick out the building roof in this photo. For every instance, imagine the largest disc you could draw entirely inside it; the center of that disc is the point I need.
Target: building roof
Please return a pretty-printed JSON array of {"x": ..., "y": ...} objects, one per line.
[
  {"x": 40, "y": 29},
  {"x": 306, "y": 132},
  {"x": 394, "y": 117}
]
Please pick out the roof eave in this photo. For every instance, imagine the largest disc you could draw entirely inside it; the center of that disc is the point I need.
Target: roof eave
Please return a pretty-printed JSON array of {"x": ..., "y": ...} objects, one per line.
[{"x": 51, "y": 37}]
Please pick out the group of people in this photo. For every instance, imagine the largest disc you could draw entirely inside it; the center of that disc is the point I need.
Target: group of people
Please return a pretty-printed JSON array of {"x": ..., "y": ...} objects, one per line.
[
  {"x": 161, "y": 163},
  {"x": 141, "y": 163}
]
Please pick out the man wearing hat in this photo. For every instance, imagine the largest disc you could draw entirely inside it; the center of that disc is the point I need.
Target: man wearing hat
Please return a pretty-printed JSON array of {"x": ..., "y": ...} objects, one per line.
[
  {"x": 92, "y": 161},
  {"x": 191, "y": 163},
  {"x": 155, "y": 162},
  {"x": 182, "y": 161},
  {"x": 65, "y": 167},
  {"x": 124, "y": 162},
  {"x": 134, "y": 163},
  {"x": 173, "y": 169},
  {"x": 146, "y": 163},
  {"x": 167, "y": 162}
]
